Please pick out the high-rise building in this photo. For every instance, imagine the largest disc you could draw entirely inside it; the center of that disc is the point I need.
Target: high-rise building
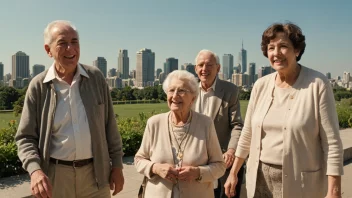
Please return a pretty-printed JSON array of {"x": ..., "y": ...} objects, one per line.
[
  {"x": 123, "y": 64},
  {"x": 114, "y": 82},
  {"x": 242, "y": 59},
  {"x": 183, "y": 67},
  {"x": 227, "y": 65},
  {"x": 1, "y": 72},
  {"x": 37, "y": 69},
  {"x": 133, "y": 74},
  {"x": 20, "y": 65},
  {"x": 112, "y": 72},
  {"x": 170, "y": 65},
  {"x": 346, "y": 77},
  {"x": 158, "y": 71},
  {"x": 101, "y": 64},
  {"x": 7, "y": 78},
  {"x": 240, "y": 80},
  {"x": 145, "y": 68},
  {"x": 265, "y": 70},
  {"x": 191, "y": 68},
  {"x": 328, "y": 75},
  {"x": 251, "y": 73},
  {"x": 20, "y": 69}
]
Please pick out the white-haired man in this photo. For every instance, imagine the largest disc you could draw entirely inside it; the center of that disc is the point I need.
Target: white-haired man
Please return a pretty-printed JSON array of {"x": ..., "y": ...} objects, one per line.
[
  {"x": 67, "y": 137},
  {"x": 219, "y": 100}
]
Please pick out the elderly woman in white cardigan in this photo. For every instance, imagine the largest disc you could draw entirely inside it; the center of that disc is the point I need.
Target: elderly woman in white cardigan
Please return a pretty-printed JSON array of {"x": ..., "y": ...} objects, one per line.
[
  {"x": 180, "y": 153},
  {"x": 291, "y": 129}
]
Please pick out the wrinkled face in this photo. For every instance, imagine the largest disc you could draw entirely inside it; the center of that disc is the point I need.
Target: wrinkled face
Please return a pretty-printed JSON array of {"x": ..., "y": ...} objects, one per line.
[
  {"x": 179, "y": 96},
  {"x": 281, "y": 53},
  {"x": 64, "y": 47},
  {"x": 207, "y": 68}
]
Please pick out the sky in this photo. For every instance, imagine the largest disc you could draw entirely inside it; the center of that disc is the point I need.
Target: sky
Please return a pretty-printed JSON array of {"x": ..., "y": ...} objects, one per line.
[{"x": 178, "y": 29}]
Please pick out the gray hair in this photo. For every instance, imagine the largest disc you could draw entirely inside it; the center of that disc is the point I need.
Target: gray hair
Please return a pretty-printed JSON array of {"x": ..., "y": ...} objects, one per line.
[
  {"x": 47, "y": 30},
  {"x": 184, "y": 76},
  {"x": 207, "y": 51}
]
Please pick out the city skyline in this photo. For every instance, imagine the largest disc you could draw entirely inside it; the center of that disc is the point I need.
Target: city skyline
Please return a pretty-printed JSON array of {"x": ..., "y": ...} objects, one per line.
[{"x": 321, "y": 21}]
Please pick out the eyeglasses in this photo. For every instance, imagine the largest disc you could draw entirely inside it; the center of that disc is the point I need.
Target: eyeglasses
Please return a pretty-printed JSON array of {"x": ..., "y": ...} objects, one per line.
[{"x": 180, "y": 92}]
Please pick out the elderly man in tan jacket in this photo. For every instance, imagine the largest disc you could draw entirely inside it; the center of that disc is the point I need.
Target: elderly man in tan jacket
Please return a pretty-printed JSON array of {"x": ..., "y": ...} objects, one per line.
[{"x": 67, "y": 138}]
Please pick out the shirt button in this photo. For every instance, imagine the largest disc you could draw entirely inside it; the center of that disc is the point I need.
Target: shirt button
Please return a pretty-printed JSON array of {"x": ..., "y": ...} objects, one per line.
[
  {"x": 291, "y": 97},
  {"x": 285, "y": 175},
  {"x": 284, "y": 128}
]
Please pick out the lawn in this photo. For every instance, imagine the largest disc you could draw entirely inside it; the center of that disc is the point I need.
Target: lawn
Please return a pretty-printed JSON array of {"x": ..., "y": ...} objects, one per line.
[{"x": 123, "y": 110}]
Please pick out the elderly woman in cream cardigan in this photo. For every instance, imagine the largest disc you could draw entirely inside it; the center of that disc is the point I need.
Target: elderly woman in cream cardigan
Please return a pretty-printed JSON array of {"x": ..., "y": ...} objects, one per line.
[{"x": 180, "y": 154}]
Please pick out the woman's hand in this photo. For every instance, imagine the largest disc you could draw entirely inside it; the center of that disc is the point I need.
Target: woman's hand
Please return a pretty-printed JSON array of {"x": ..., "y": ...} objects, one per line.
[
  {"x": 166, "y": 171},
  {"x": 230, "y": 185},
  {"x": 188, "y": 173}
]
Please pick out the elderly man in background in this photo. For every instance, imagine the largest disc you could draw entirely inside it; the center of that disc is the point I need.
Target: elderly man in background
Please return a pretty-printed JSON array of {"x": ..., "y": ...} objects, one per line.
[
  {"x": 218, "y": 99},
  {"x": 67, "y": 137}
]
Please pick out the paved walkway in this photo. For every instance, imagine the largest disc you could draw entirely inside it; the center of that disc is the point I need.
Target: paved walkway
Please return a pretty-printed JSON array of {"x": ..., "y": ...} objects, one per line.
[{"x": 18, "y": 186}]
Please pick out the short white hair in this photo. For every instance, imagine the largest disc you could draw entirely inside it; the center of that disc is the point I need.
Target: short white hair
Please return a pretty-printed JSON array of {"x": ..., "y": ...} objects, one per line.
[
  {"x": 182, "y": 75},
  {"x": 207, "y": 51},
  {"x": 47, "y": 30}
]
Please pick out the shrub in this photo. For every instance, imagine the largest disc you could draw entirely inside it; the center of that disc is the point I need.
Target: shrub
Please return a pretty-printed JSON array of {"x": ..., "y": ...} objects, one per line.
[
  {"x": 9, "y": 162},
  {"x": 131, "y": 130},
  {"x": 344, "y": 113}
]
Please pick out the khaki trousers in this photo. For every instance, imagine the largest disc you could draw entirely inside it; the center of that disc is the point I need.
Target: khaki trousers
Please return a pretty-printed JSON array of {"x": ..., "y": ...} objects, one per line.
[
  {"x": 269, "y": 181},
  {"x": 79, "y": 182}
]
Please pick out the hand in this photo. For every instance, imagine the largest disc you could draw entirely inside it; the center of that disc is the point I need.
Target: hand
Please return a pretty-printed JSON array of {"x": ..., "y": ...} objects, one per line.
[
  {"x": 188, "y": 173},
  {"x": 230, "y": 185},
  {"x": 166, "y": 171},
  {"x": 40, "y": 185},
  {"x": 229, "y": 157},
  {"x": 116, "y": 180}
]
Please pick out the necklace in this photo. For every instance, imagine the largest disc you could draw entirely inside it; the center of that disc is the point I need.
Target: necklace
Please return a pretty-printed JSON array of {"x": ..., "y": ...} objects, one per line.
[{"x": 180, "y": 151}]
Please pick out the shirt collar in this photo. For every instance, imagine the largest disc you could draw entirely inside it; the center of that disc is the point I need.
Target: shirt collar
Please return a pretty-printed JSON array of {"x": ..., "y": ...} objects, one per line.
[
  {"x": 210, "y": 88},
  {"x": 51, "y": 75}
]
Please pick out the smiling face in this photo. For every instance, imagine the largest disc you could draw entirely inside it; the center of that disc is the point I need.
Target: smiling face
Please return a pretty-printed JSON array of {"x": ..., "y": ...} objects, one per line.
[
  {"x": 179, "y": 96},
  {"x": 281, "y": 53},
  {"x": 207, "y": 68},
  {"x": 64, "y": 47}
]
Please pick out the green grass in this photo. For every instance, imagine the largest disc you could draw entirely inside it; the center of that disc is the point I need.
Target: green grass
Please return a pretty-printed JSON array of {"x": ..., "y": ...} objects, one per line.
[{"x": 124, "y": 111}]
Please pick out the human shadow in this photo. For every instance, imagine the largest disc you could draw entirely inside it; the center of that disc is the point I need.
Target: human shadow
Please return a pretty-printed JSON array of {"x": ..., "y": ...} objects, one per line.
[{"x": 13, "y": 181}]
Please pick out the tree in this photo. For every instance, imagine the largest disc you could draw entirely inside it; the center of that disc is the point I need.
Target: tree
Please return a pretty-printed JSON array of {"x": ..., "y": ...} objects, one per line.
[
  {"x": 18, "y": 106},
  {"x": 8, "y": 95}
]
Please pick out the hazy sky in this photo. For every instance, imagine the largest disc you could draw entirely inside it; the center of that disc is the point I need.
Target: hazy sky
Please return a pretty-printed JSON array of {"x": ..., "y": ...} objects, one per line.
[{"x": 178, "y": 29}]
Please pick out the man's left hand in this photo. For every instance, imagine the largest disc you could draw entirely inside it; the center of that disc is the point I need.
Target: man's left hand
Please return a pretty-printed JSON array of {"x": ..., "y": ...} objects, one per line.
[
  {"x": 116, "y": 180},
  {"x": 229, "y": 157}
]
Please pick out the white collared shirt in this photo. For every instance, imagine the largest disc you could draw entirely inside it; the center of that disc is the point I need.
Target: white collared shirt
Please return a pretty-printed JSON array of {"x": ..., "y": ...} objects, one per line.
[
  {"x": 71, "y": 139},
  {"x": 206, "y": 99}
]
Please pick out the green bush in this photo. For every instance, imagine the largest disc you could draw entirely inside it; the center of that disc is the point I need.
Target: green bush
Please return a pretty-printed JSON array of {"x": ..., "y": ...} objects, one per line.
[
  {"x": 131, "y": 130},
  {"x": 9, "y": 162},
  {"x": 344, "y": 113}
]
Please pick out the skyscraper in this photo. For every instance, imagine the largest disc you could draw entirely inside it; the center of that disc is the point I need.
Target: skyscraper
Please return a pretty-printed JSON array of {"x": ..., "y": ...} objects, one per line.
[
  {"x": 37, "y": 69},
  {"x": 191, "y": 68},
  {"x": 123, "y": 64},
  {"x": 20, "y": 69},
  {"x": 20, "y": 65},
  {"x": 227, "y": 65},
  {"x": 265, "y": 70},
  {"x": 242, "y": 59},
  {"x": 112, "y": 72},
  {"x": 251, "y": 73},
  {"x": 346, "y": 77},
  {"x": 101, "y": 64},
  {"x": 328, "y": 75},
  {"x": 1, "y": 72},
  {"x": 145, "y": 68},
  {"x": 158, "y": 71},
  {"x": 170, "y": 65}
]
